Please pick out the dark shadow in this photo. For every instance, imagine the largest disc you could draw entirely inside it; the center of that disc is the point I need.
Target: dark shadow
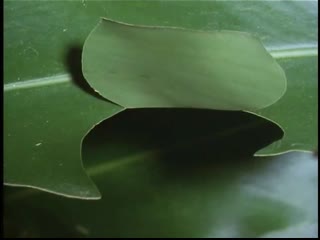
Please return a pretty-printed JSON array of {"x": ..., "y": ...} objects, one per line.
[
  {"x": 182, "y": 139},
  {"x": 74, "y": 65},
  {"x": 26, "y": 224},
  {"x": 315, "y": 153}
]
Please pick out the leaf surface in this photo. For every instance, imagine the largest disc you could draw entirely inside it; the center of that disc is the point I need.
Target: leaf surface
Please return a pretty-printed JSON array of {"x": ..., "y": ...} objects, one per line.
[
  {"x": 140, "y": 67},
  {"x": 159, "y": 180},
  {"x": 43, "y": 129}
]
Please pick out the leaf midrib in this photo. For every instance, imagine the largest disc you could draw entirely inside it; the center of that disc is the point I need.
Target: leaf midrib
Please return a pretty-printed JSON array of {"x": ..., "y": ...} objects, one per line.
[{"x": 292, "y": 51}]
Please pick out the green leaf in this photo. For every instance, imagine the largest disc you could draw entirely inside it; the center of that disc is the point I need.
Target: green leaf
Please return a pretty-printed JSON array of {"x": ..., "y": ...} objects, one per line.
[
  {"x": 43, "y": 129},
  {"x": 159, "y": 180},
  {"x": 140, "y": 67},
  {"x": 149, "y": 196},
  {"x": 39, "y": 37}
]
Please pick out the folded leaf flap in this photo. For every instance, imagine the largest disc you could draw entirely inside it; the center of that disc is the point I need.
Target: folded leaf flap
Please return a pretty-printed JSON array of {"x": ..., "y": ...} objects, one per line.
[{"x": 139, "y": 67}]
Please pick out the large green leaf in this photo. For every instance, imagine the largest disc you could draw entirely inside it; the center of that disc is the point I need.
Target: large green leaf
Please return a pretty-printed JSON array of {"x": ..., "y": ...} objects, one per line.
[
  {"x": 209, "y": 194},
  {"x": 139, "y": 67},
  {"x": 159, "y": 180},
  {"x": 38, "y": 38}
]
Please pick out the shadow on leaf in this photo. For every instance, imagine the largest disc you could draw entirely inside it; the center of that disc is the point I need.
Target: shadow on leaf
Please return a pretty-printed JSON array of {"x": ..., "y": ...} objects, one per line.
[
  {"x": 181, "y": 138},
  {"x": 74, "y": 66},
  {"x": 177, "y": 173}
]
